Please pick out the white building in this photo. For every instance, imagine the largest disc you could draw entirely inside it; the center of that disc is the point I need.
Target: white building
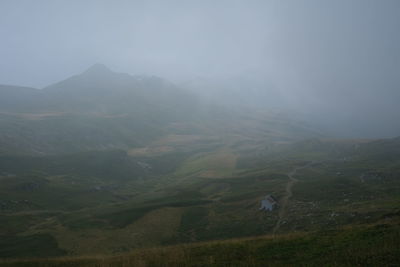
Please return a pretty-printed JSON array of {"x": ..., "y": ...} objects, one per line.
[{"x": 269, "y": 203}]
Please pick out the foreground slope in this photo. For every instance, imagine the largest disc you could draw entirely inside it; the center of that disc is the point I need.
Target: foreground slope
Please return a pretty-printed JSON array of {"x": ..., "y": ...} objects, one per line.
[
  {"x": 371, "y": 245},
  {"x": 107, "y": 162},
  {"x": 175, "y": 195}
]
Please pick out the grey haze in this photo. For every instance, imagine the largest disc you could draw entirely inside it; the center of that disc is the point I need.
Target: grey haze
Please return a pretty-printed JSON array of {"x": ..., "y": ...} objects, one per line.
[{"x": 336, "y": 62}]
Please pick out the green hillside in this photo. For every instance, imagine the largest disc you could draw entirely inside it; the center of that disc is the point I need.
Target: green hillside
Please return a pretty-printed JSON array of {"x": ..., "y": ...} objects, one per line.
[
  {"x": 158, "y": 196},
  {"x": 372, "y": 245},
  {"x": 111, "y": 163}
]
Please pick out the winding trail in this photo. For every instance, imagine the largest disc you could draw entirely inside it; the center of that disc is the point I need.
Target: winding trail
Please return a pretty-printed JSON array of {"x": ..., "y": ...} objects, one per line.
[{"x": 287, "y": 196}]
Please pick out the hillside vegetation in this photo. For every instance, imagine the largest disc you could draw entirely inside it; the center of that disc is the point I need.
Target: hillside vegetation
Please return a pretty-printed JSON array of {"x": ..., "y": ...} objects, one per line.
[
  {"x": 81, "y": 175},
  {"x": 372, "y": 245}
]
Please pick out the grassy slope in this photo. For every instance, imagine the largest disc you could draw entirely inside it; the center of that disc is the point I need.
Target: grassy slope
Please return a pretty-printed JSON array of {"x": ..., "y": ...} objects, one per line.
[
  {"x": 368, "y": 245},
  {"x": 170, "y": 208}
]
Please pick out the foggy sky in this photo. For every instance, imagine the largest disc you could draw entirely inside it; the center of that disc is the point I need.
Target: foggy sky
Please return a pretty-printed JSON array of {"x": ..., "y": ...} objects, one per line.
[{"x": 337, "y": 60}]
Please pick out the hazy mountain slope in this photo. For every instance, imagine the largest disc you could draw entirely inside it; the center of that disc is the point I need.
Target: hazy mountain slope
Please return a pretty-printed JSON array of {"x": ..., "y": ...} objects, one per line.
[
  {"x": 98, "y": 89},
  {"x": 20, "y": 99},
  {"x": 101, "y": 109},
  {"x": 97, "y": 109},
  {"x": 66, "y": 132}
]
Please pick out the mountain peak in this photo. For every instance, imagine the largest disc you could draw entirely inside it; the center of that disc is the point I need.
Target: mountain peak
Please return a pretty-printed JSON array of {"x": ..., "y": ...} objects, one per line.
[{"x": 98, "y": 69}]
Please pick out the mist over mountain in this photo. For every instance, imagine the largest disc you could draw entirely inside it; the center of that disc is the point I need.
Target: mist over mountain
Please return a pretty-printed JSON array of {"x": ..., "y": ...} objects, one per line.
[
  {"x": 208, "y": 133},
  {"x": 99, "y": 89},
  {"x": 337, "y": 62},
  {"x": 103, "y": 109}
]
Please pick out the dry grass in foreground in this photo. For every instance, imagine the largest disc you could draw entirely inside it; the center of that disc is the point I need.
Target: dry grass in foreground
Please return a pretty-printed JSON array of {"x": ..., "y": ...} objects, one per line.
[{"x": 372, "y": 245}]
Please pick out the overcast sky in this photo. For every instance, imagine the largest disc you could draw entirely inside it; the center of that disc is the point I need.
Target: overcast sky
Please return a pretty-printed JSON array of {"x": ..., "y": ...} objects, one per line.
[{"x": 341, "y": 56}]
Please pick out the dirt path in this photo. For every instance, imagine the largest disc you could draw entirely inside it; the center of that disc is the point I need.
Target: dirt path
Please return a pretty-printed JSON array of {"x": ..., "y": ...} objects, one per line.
[{"x": 287, "y": 196}]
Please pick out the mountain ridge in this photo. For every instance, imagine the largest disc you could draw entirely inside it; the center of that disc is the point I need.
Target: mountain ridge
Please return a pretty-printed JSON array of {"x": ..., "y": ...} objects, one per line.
[
  {"x": 98, "y": 89},
  {"x": 101, "y": 108}
]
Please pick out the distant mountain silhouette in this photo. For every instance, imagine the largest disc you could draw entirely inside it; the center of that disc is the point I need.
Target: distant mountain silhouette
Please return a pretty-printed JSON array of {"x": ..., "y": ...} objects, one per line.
[
  {"x": 97, "y": 69},
  {"x": 98, "y": 89},
  {"x": 17, "y": 98},
  {"x": 97, "y": 109},
  {"x": 101, "y": 109}
]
